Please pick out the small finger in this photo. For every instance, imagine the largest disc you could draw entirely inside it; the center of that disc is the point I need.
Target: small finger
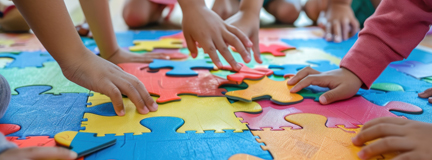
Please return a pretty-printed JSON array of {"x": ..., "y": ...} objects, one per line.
[
  {"x": 116, "y": 98},
  {"x": 337, "y": 31},
  {"x": 234, "y": 41},
  {"x": 425, "y": 94},
  {"x": 409, "y": 155},
  {"x": 145, "y": 95},
  {"x": 127, "y": 88},
  {"x": 302, "y": 74},
  {"x": 305, "y": 82},
  {"x": 223, "y": 49},
  {"x": 191, "y": 45},
  {"x": 328, "y": 32},
  {"x": 355, "y": 27},
  {"x": 49, "y": 153},
  {"x": 256, "y": 48},
  {"x": 345, "y": 29},
  {"x": 385, "y": 145},
  {"x": 385, "y": 120},
  {"x": 243, "y": 38},
  {"x": 210, "y": 49},
  {"x": 377, "y": 131}
]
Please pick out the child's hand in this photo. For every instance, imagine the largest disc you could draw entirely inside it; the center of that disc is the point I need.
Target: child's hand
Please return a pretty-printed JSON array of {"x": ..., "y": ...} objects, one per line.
[
  {"x": 33, "y": 153},
  {"x": 342, "y": 82},
  {"x": 339, "y": 23},
  {"x": 123, "y": 56},
  {"x": 411, "y": 138},
  {"x": 203, "y": 26},
  {"x": 248, "y": 24},
  {"x": 99, "y": 75},
  {"x": 426, "y": 94}
]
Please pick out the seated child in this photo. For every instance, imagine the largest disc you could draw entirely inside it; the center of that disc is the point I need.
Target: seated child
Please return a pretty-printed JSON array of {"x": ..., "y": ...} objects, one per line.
[
  {"x": 11, "y": 19},
  {"x": 389, "y": 35}
]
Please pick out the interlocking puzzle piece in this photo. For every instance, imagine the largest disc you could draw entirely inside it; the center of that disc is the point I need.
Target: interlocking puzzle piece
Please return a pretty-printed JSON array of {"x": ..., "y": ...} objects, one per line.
[
  {"x": 141, "y": 45},
  {"x": 9, "y": 128},
  {"x": 350, "y": 113},
  {"x": 83, "y": 143},
  {"x": 279, "y": 91},
  {"x": 407, "y": 97},
  {"x": 337, "y": 49},
  {"x": 27, "y": 59},
  {"x": 301, "y": 56},
  {"x": 407, "y": 82},
  {"x": 314, "y": 141},
  {"x": 199, "y": 113},
  {"x": 275, "y": 49},
  {"x": 321, "y": 66},
  {"x": 50, "y": 74},
  {"x": 33, "y": 141},
  {"x": 244, "y": 157},
  {"x": 44, "y": 114},
  {"x": 168, "y": 88},
  {"x": 414, "y": 68},
  {"x": 247, "y": 73},
  {"x": 427, "y": 79},
  {"x": 165, "y": 143},
  {"x": 21, "y": 42},
  {"x": 389, "y": 87},
  {"x": 181, "y": 68}
]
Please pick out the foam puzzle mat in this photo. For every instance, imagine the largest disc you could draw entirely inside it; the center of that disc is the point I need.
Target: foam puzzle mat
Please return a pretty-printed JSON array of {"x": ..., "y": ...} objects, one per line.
[{"x": 205, "y": 112}]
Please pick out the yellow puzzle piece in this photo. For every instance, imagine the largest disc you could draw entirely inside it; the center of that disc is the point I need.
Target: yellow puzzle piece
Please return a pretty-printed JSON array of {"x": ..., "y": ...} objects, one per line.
[
  {"x": 315, "y": 141},
  {"x": 168, "y": 43},
  {"x": 279, "y": 91},
  {"x": 199, "y": 114}
]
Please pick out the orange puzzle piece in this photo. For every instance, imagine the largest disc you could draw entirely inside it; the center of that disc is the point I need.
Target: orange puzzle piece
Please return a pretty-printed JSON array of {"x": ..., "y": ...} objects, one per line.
[
  {"x": 314, "y": 141},
  {"x": 279, "y": 91},
  {"x": 247, "y": 73}
]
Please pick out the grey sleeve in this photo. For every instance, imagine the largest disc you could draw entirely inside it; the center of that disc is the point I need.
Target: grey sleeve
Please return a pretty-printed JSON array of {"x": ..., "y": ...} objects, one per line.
[
  {"x": 5, "y": 95},
  {"x": 5, "y": 144}
]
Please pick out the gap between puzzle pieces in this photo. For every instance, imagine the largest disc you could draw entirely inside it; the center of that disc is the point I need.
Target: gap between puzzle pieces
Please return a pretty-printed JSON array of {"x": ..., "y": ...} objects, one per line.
[
  {"x": 181, "y": 68},
  {"x": 164, "y": 142},
  {"x": 350, "y": 113},
  {"x": 313, "y": 140},
  {"x": 169, "y": 87},
  {"x": 199, "y": 113},
  {"x": 279, "y": 91}
]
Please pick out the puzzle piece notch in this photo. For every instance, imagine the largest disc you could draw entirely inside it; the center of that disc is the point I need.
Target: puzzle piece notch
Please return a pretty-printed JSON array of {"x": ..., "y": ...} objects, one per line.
[
  {"x": 27, "y": 59},
  {"x": 279, "y": 91},
  {"x": 181, "y": 68},
  {"x": 9, "y": 128},
  {"x": 314, "y": 140},
  {"x": 247, "y": 73},
  {"x": 416, "y": 69},
  {"x": 199, "y": 114},
  {"x": 167, "y": 43},
  {"x": 83, "y": 143},
  {"x": 169, "y": 87},
  {"x": 164, "y": 142},
  {"x": 350, "y": 113}
]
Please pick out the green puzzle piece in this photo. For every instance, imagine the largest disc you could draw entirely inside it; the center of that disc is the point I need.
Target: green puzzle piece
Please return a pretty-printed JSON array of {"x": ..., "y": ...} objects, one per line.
[
  {"x": 306, "y": 93},
  {"x": 388, "y": 87},
  {"x": 50, "y": 74},
  {"x": 427, "y": 79}
]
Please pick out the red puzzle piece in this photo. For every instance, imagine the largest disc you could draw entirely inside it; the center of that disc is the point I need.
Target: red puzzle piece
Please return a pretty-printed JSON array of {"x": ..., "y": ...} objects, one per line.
[
  {"x": 9, "y": 128},
  {"x": 39, "y": 141},
  {"x": 275, "y": 49},
  {"x": 351, "y": 113},
  {"x": 168, "y": 87},
  {"x": 247, "y": 73}
]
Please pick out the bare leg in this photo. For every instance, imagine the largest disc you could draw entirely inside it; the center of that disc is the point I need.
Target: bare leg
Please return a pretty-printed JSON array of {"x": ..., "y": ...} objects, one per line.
[
  {"x": 285, "y": 11},
  {"x": 138, "y": 13}
]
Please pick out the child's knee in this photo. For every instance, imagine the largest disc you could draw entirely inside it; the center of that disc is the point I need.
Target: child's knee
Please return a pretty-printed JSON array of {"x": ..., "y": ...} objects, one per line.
[
  {"x": 5, "y": 95},
  {"x": 313, "y": 8},
  {"x": 288, "y": 13},
  {"x": 133, "y": 19}
]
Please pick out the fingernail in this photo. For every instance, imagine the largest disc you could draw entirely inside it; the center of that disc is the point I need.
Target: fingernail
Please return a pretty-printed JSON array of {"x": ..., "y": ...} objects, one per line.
[
  {"x": 122, "y": 112},
  {"x": 290, "y": 81},
  {"x": 338, "y": 39},
  {"x": 238, "y": 66},
  {"x": 219, "y": 65},
  {"x": 249, "y": 44},
  {"x": 73, "y": 155},
  {"x": 293, "y": 89},
  {"x": 323, "y": 100},
  {"x": 361, "y": 154},
  {"x": 328, "y": 36},
  {"x": 354, "y": 139},
  {"x": 155, "y": 106},
  {"x": 167, "y": 57}
]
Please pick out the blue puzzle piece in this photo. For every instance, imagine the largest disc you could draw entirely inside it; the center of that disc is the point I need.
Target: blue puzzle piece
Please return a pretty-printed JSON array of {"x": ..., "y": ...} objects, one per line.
[
  {"x": 320, "y": 65},
  {"x": 27, "y": 59},
  {"x": 86, "y": 143},
  {"x": 125, "y": 39},
  {"x": 181, "y": 68},
  {"x": 323, "y": 65},
  {"x": 391, "y": 75},
  {"x": 165, "y": 143},
  {"x": 44, "y": 114},
  {"x": 153, "y": 35},
  {"x": 407, "y": 97}
]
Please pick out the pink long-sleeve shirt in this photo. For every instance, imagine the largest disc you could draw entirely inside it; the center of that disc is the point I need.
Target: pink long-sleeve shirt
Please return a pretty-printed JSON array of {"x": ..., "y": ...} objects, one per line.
[{"x": 394, "y": 30}]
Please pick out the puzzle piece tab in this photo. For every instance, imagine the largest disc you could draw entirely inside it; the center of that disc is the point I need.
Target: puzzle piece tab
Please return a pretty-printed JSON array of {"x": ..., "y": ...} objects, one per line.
[
  {"x": 165, "y": 143},
  {"x": 247, "y": 73},
  {"x": 279, "y": 91},
  {"x": 199, "y": 114},
  {"x": 350, "y": 113},
  {"x": 6, "y": 129},
  {"x": 181, "y": 68},
  {"x": 275, "y": 49},
  {"x": 141, "y": 45},
  {"x": 49, "y": 74},
  {"x": 44, "y": 114},
  {"x": 168, "y": 88}
]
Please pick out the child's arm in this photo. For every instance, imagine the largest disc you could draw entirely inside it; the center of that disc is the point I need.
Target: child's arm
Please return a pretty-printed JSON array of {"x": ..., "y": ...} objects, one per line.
[
  {"x": 52, "y": 25},
  {"x": 389, "y": 35},
  {"x": 340, "y": 22},
  {"x": 99, "y": 20},
  {"x": 391, "y": 135},
  {"x": 247, "y": 20},
  {"x": 201, "y": 25}
]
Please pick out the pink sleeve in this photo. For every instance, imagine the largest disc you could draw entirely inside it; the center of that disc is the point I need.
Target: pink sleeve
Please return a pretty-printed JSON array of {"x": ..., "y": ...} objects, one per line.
[{"x": 394, "y": 30}]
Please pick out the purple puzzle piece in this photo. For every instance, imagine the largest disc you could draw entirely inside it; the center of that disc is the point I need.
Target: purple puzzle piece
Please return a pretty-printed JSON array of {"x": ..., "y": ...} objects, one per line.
[{"x": 414, "y": 68}]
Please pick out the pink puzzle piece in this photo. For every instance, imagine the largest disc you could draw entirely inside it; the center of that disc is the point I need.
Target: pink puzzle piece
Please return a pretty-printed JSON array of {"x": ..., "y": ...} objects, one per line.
[
  {"x": 414, "y": 68},
  {"x": 40, "y": 141},
  {"x": 350, "y": 113},
  {"x": 9, "y": 128},
  {"x": 275, "y": 49},
  {"x": 168, "y": 87},
  {"x": 172, "y": 53},
  {"x": 247, "y": 73}
]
